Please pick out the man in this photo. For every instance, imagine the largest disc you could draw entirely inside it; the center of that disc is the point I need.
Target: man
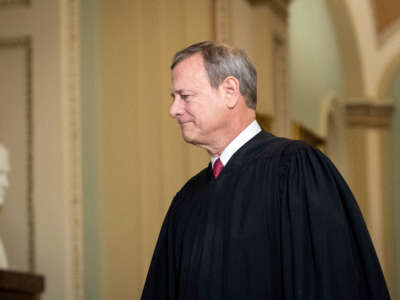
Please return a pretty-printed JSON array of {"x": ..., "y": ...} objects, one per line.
[{"x": 269, "y": 218}]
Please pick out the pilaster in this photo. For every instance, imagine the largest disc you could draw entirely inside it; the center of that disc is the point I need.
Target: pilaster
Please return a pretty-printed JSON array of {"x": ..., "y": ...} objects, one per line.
[{"x": 369, "y": 138}]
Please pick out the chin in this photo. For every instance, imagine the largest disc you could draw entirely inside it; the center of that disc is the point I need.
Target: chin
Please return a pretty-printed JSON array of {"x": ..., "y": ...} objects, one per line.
[{"x": 189, "y": 138}]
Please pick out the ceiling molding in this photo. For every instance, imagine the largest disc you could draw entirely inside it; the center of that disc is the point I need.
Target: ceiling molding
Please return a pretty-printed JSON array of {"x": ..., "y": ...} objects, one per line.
[{"x": 280, "y": 7}]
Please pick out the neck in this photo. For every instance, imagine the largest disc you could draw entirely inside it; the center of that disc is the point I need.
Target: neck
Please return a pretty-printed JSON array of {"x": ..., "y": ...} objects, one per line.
[{"x": 230, "y": 133}]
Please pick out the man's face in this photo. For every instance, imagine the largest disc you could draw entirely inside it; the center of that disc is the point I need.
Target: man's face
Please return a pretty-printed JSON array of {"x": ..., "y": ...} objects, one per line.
[
  {"x": 4, "y": 168},
  {"x": 198, "y": 108}
]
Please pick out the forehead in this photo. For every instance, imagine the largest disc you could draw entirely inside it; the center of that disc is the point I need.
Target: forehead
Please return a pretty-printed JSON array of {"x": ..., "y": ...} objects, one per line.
[{"x": 190, "y": 72}]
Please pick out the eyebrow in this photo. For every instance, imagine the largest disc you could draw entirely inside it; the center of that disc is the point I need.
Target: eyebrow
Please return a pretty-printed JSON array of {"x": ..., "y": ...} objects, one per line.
[
  {"x": 180, "y": 92},
  {"x": 177, "y": 91}
]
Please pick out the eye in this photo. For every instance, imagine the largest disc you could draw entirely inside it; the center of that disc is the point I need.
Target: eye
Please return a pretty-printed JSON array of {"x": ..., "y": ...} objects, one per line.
[{"x": 186, "y": 97}]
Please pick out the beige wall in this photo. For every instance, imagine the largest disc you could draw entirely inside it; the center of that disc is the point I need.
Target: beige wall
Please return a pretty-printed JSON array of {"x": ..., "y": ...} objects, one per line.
[{"x": 144, "y": 160}]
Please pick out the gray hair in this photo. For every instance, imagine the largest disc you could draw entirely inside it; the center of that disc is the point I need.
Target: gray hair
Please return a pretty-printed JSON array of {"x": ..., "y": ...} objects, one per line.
[{"x": 221, "y": 61}]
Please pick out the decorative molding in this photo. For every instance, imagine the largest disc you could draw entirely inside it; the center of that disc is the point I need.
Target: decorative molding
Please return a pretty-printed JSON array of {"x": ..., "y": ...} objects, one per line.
[
  {"x": 281, "y": 124},
  {"x": 222, "y": 17},
  {"x": 366, "y": 114},
  {"x": 25, "y": 43},
  {"x": 4, "y": 3},
  {"x": 72, "y": 125},
  {"x": 280, "y": 7}
]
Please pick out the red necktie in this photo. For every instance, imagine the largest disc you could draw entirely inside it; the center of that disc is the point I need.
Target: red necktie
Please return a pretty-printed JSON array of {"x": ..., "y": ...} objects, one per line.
[{"x": 217, "y": 168}]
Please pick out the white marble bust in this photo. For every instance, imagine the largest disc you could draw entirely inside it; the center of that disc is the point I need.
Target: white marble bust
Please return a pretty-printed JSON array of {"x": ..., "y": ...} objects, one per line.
[{"x": 4, "y": 169}]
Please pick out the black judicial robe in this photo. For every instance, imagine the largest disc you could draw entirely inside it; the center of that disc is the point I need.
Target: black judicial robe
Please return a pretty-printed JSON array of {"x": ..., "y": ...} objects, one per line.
[{"x": 278, "y": 223}]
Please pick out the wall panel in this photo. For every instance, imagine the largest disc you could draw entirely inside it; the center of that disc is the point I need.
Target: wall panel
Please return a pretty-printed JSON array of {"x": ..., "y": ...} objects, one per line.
[
  {"x": 145, "y": 161},
  {"x": 16, "y": 219}
]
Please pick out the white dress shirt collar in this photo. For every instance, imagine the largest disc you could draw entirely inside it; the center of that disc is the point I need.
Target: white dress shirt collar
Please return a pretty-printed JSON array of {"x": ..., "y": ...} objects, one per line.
[{"x": 246, "y": 135}]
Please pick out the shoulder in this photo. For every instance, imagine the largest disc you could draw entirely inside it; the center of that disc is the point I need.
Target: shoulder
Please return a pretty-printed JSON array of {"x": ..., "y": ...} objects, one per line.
[
  {"x": 195, "y": 183},
  {"x": 282, "y": 147},
  {"x": 291, "y": 154},
  {"x": 302, "y": 161},
  {"x": 294, "y": 147},
  {"x": 199, "y": 179},
  {"x": 185, "y": 199}
]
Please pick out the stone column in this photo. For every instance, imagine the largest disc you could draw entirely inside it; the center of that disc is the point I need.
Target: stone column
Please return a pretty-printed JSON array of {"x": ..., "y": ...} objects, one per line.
[{"x": 369, "y": 159}]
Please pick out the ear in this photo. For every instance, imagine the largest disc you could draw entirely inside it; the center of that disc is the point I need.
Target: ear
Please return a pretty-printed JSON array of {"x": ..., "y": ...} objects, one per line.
[{"x": 231, "y": 91}]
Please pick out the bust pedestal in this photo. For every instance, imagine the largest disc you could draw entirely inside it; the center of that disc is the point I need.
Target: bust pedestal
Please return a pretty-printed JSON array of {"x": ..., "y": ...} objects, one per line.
[{"x": 20, "y": 286}]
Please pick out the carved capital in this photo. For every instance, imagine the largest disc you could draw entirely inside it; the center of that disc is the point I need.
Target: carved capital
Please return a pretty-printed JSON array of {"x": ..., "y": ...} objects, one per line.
[{"x": 368, "y": 114}]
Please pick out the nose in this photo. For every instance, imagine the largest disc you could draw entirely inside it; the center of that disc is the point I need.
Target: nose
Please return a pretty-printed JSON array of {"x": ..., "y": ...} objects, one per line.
[{"x": 176, "y": 108}]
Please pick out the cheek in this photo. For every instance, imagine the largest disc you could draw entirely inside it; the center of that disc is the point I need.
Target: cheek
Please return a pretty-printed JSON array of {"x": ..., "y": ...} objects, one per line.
[
  {"x": 194, "y": 111},
  {"x": 203, "y": 112}
]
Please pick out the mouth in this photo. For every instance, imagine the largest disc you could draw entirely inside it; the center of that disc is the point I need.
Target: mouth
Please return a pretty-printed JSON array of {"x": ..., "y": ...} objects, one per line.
[{"x": 183, "y": 123}]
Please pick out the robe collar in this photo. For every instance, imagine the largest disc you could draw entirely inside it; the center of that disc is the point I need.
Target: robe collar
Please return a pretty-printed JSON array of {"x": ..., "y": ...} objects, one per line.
[
  {"x": 249, "y": 151},
  {"x": 247, "y": 134}
]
